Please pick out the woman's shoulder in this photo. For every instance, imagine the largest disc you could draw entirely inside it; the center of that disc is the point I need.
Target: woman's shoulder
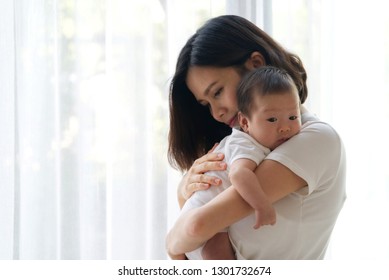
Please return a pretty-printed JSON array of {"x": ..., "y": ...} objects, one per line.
[
  {"x": 318, "y": 132},
  {"x": 316, "y": 154},
  {"x": 317, "y": 143}
]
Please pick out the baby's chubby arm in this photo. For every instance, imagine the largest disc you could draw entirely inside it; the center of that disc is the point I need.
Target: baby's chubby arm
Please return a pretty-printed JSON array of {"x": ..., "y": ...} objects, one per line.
[{"x": 244, "y": 180}]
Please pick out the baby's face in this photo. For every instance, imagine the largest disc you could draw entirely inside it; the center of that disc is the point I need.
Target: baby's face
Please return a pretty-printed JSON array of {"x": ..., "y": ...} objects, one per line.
[{"x": 274, "y": 119}]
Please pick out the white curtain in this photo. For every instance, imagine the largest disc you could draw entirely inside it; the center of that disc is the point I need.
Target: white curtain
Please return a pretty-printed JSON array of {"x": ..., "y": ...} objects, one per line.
[
  {"x": 345, "y": 47},
  {"x": 83, "y": 125},
  {"x": 84, "y": 118}
]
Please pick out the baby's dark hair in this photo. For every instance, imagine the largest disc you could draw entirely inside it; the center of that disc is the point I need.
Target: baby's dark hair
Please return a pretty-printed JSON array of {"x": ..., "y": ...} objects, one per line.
[{"x": 262, "y": 81}]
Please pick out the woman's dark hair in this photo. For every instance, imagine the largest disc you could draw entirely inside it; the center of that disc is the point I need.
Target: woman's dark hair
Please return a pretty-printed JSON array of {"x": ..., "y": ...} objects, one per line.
[
  {"x": 262, "y": 81},
  {"x": 225, "y": 41}
]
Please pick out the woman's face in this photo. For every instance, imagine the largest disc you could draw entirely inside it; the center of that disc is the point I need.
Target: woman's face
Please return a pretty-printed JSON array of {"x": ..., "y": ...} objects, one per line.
[{"x": 216, "y": 87}]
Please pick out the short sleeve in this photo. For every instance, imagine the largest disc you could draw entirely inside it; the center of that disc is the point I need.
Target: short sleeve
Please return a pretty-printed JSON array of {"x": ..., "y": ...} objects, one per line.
[
  {"x": 241, "y": 145},
  {"x": 314, "y": 154}
]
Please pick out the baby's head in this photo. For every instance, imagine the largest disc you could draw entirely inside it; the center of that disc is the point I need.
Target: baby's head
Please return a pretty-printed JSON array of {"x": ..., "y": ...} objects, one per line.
[{"x": 269, "y": 106}]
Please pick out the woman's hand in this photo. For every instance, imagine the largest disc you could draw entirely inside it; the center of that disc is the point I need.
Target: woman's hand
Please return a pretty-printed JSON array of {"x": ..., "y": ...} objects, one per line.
[{"x": 195, "y": 179}]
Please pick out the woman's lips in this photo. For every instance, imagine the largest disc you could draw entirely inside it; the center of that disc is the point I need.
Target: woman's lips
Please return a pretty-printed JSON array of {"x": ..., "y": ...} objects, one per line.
[{"x": 232, "y": 121}]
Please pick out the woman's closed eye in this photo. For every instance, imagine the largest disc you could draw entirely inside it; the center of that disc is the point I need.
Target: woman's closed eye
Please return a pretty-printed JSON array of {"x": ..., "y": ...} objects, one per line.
[{"x": 217, "y": 93}]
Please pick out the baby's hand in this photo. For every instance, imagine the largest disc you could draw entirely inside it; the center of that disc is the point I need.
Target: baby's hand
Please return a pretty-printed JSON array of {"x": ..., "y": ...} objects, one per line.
[{"x": 265, "y": 216}]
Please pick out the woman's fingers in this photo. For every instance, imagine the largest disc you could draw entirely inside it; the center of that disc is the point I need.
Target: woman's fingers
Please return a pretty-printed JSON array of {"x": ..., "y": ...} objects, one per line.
[
  {"x": 190, "y": 189},
  {"x": 209, "y": 162},
  {"x": 209, "y": 157},
  {"x": 194, "y": 187},
  {"x": 200, "y": 182},
  {"x": 196, "y": 180},
  {"x": 203, "y": 179},
  {"x": 209, "y": 166}
]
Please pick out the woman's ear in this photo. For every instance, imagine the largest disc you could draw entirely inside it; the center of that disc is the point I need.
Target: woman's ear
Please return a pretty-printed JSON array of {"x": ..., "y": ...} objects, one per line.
[
  {"x": 243, "y": 122},
  {"x": 255, "y": 60}
]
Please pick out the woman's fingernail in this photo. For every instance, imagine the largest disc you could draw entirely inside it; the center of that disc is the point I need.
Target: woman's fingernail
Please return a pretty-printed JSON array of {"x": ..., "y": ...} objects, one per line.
[
  {"x": 219, "y": 155},
  {"x": 217, "y": 181}
]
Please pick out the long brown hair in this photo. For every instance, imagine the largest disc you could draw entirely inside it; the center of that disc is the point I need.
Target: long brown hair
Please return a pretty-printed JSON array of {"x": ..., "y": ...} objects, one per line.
[{"x": 225, "y": 41}]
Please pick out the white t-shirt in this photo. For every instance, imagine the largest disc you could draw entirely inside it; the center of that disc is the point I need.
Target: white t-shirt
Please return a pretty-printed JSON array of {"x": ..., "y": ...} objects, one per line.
[
  {"x": 305, "y": 219},
  {"x": 236, "y": 146}
]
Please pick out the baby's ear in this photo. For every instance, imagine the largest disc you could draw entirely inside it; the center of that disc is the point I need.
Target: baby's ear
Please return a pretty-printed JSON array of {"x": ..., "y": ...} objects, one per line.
[{"x": 243, "y": 121}]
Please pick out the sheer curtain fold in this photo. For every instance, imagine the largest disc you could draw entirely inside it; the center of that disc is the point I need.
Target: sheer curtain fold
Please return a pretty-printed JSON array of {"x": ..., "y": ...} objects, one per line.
[
  {"x": 7, "y": 125},
  {"x": 31, "y": 129},
  {"x": 83, "y": 120}
]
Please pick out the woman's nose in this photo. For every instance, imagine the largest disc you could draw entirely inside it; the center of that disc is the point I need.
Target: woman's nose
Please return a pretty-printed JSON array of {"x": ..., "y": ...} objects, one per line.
[{"x": 218, "y": 114}]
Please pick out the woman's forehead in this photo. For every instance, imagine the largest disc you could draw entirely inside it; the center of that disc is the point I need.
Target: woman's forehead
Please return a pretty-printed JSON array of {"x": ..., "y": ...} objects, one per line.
[{"x": 201, "y": 79}]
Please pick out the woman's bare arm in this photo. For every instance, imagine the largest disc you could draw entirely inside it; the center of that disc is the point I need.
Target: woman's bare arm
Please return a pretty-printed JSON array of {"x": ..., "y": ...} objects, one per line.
[{"x": 198, "y": 225}]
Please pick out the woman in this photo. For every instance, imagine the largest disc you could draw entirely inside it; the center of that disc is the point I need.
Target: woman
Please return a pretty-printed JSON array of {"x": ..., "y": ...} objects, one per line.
[{"x": 304, "y": 178}]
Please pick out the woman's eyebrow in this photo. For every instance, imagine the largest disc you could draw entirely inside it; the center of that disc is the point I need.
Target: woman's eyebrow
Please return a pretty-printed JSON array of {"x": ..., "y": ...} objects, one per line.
[{"x": 206, "y": 91}]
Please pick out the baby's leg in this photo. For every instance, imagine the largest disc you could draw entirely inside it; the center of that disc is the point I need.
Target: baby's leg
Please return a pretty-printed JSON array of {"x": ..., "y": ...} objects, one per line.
[{"x": 265, "y": 216}]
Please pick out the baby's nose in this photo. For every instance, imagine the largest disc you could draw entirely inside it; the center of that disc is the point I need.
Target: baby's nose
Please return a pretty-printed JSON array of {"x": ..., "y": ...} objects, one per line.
[{"x": 284, "y": 129}]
